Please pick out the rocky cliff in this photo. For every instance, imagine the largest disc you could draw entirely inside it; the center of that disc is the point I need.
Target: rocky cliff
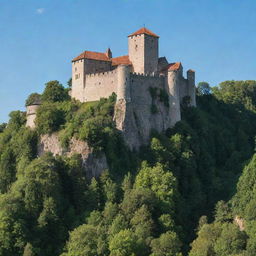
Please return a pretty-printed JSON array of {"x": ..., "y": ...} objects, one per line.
[{"x": 93, "y": 164}]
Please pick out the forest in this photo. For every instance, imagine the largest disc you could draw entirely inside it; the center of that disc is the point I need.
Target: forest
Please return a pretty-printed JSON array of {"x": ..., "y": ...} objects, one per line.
[{"x": 190, "y": 192}]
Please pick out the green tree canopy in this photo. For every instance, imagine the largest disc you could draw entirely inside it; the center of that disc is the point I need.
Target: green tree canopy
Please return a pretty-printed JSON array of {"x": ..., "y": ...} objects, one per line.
[
  {"x": 124, "y": 243},
  {"x": 203, "y": 88},
  {"x": 168, "y": 244},
  {"x": 33, "y": 98},
  {"x": 54, "y": 92}
]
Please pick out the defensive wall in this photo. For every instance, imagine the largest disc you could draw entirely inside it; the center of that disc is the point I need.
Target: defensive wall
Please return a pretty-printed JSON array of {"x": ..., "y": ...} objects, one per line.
[{"x": 100, "y": 85}]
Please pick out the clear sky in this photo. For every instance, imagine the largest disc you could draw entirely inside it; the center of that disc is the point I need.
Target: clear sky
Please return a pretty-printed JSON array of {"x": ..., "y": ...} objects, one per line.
[{"x": 38, "y": 38}]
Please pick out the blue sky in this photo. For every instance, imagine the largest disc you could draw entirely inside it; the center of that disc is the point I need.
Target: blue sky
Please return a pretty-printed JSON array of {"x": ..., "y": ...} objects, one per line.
[{"x": 38, "y": 38}]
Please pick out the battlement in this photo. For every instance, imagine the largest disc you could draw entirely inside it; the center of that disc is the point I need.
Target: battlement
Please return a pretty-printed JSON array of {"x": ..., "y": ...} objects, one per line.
[
  {"x": 152, "y": 75},
  {"x": 101, "y": 74},
  {"x": 97, "y": 75}
]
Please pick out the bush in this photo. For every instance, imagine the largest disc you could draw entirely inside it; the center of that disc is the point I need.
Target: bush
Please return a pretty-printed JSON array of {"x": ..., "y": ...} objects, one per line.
[
  {"x": 49, "y": 118},
  {"x": 2, "y": 127},
  {"x": 154, "y": 109},
  {"x": 54, "y": 92},
  {"x": 33, "y": 98},
  {"x": 163, "y": 97}
]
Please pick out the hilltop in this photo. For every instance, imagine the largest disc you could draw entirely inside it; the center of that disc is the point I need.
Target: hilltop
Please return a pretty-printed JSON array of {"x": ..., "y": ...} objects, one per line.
[{"x": 192, "y": 182}]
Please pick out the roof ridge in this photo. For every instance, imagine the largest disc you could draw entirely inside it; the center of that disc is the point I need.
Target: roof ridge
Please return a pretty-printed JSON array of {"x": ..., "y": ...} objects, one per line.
[
  {"x": 92, "y": 55},
  {"x": 144, "y": 30}
]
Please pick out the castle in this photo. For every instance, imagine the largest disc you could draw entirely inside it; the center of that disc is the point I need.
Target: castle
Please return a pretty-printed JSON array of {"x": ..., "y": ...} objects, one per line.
[{"x": 140, "y": 80}]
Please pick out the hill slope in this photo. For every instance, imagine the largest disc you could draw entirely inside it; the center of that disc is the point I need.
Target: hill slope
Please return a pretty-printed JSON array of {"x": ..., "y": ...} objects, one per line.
[{"x": 148, "y": 202}]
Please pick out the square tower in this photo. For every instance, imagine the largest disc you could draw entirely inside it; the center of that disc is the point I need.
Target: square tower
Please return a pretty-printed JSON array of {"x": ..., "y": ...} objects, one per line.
[{"x": 143, "y": 51}]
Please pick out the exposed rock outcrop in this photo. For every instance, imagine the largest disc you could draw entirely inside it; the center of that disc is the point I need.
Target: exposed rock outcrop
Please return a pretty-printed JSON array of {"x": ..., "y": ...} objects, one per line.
[
  {"x": 239, "y": 222},
  {"x": 93, "y": 164}
]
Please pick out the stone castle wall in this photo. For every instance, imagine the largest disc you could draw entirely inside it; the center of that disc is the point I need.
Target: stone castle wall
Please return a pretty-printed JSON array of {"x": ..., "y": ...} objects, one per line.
[
  {"x": 151, "y": 54},
  {"x": 96, "y": 66},
  {"x": 100, "y": 85},
  {"x": 143, "y": 53},
  {"x": 136, "y": 52},
  {"x": 134, "y": 117},
  {"x": 31, "y": 116},
  {"x": 141, "y": 84},
  {"x": 78, "y": 80}
]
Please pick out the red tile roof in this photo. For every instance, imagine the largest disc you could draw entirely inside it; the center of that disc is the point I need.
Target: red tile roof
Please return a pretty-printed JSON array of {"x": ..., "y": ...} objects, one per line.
[
  {"x": 191, "y": 70},
  {"x": 92, "y": 56},
  {"x": 121, "y": 60},
  {"x": 172, "y": 66},
  {"x": 144, "y": 31}
]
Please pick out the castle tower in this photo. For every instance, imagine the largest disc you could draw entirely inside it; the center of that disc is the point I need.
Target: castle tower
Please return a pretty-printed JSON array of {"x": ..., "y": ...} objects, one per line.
[
  {"x": 78, "y": 79},
  {"x": 173, "y": 75},
  {"x": 191, "y": 87},
  {"x": 123, "y": 101},
  {"x": 31, "y": 114},
  {"x": 143, "y": 51},
  {"x": 123, "y": 83}
]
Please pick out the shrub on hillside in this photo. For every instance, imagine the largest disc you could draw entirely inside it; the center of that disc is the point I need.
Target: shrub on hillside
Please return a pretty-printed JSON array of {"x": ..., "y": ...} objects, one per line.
[{"x": 54, "y": 92}]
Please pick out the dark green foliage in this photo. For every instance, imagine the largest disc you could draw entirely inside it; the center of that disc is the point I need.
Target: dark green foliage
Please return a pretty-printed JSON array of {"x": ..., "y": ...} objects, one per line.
[
  {"x": 203, "y": 88},
  {"x": 245, "y": 197},
  {"x": 69, "y": 83},
  {"x": 124, "y": 244},
  {"x": 55, "y": 92},
  {"x": 167, "y": 244},
  {"x": 223, "y": 212},
  {"x": 238, "y": 93},
  {"x": 147, "y": 203},
  {"x": 219, "y": 240},
  {"x": 153, "y": 92},
  {"x": 17, "y": 145},
  {"x": 186, "y": 101},
  {"x": 17, "y": 119},
  {"x": 160, "y": 94},
  {"x": 154, "y": 109},
  {"x": 83, "y": 241},
  {"x": 49, "y": 118},
  {"x": 92, "y": 123},
  {"x": 163, "y": 97},
  {"x": 2, "y": 127},
  {"x": 33, "y": 98}
]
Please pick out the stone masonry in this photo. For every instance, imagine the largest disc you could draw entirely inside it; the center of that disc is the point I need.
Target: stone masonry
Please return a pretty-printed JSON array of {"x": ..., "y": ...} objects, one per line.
[
  {"x": 134, "y": 78},
  {"x": 97, "y": 75}
]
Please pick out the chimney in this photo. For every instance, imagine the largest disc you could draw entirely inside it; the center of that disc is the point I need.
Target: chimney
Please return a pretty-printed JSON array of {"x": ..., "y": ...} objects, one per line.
[{"x": 108, "y": 53}]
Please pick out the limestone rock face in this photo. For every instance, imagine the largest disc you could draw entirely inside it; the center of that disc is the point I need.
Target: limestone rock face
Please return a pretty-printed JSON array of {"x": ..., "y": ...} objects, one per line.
[
  {"x": 93, "y": 164},
  {"x": 136, "y": 120},
  {"x": 240, "y": 223}
]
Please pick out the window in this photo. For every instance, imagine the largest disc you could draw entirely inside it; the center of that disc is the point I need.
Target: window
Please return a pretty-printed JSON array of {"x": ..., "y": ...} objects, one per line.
[{"x": 77, "y": 76}]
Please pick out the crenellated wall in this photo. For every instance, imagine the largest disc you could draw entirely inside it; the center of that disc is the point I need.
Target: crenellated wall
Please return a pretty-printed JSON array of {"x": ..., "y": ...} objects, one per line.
[
  {"x": 137, "y": 113},
  {"x": 135, "y": 117},
  {"x": 100, "y": 85}
]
